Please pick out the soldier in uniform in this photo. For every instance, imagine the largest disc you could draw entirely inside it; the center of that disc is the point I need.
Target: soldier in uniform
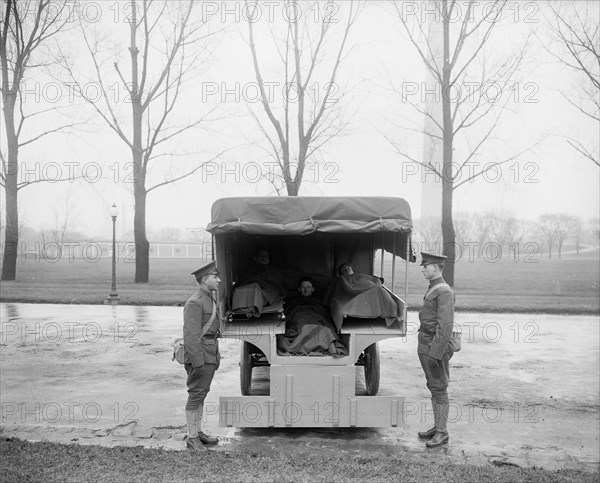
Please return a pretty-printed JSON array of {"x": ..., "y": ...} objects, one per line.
[
  {"x": 437, "y": 320},
  {"x": 200, "y": 330}
]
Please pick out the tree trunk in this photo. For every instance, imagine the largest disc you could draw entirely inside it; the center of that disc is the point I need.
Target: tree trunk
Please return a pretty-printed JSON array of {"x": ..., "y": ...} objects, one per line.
[
  {"x": 11, "y": 236},
  {"x": 303, "y": 149},
  {"x": 448, "y": 233},
  {"x": 291, "y": 185},
  {"x": 142, "y": 246}
]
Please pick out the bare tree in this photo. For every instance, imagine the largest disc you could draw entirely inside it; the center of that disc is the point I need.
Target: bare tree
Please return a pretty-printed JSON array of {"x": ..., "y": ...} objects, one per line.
[
  {"x": 25, "y": 31},
  {"x": 577, "y": 232},
  {"x": 482, "y": 229},
  {"x": 576, "y": 27},
  {"x": 503, "y": 228},
  {"x": 463, "y": 42},
  {"x": 594, "y": 227},
  {"x": 24, "y": 228},
  {"x": 498, "y": 227},
  {"x": 65, "y": 219},
  {"x": 428, "y": 228},
  {"x": 546, "y": 228},
  {"x": 315, "y": 119},
  {"x": 565, "y": 224},
  {"x": 523, "y": 229},
  {"x": 464, "y": 224},
  {"x": 166, "y": 47},
  {"x": 556, "y": 228}
]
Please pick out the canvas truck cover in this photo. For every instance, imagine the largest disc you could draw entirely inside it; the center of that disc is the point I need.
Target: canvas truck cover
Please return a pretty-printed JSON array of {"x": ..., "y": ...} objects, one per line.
[
  {"x": 292, "y": 215},
  {"x": 312, "y": 370}
]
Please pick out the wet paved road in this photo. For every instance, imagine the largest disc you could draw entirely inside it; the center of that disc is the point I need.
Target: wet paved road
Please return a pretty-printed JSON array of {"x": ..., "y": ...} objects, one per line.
[{"x": 104, "y": 375}]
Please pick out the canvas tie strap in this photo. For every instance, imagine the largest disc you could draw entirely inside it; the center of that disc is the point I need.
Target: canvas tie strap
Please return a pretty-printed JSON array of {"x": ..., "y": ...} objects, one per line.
[
  {"x": 437, "y": 285},
  {"x": 212, "y": 318}
]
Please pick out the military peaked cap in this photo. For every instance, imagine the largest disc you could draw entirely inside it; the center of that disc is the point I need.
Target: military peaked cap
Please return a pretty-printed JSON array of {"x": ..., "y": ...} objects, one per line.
[
  {"x": 209, "y": 269},
  {"x": 432, "y": 258}
]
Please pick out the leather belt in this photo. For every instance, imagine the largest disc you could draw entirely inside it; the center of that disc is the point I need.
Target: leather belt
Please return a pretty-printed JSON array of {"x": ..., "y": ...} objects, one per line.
[
  {"x": 211, "y": 337},
  {"x": 425, "y": 331}
]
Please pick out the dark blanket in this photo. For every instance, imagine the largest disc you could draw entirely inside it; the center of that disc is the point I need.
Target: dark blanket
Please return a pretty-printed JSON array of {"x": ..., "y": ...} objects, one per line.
[
  {"x": 262, "y": 287},
  {"x": 309, "y": 330},
  {"x": 363, "y": 296}
]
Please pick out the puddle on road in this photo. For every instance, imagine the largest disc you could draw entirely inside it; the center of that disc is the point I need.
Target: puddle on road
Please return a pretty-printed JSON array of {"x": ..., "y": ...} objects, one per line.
[{"x": 117, "y": 360}]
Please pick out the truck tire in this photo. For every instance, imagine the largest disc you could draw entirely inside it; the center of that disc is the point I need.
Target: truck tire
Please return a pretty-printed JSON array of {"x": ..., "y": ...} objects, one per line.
[{"x": 372, "y": 369}]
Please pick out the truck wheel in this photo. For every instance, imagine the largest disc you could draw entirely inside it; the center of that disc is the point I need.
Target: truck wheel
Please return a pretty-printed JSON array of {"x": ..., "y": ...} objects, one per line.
[
  {"x": 372, "y": 369},
  {"x": 245, "y": 368}
]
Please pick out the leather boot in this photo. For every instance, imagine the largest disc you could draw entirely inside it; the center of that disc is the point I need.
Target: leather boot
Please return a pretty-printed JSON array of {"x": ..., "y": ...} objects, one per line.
[
  {"x": 442, "y": 411},
  {"x": 190, "y": 419},
  {"x": 195, "y": 444},
  {"x": 198, "y": 416},
  {"x": 440, "y": 438},
  {"x": 207, "y": 438},
  {"x": 431, "y": 432},
  {"x": 203, "y": 437}
]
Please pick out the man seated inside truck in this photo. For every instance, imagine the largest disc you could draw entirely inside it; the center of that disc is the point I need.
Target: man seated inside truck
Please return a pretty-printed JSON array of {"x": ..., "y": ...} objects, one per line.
[
  {"x": 360, "y": 295},
  {"x": 309, "y": 328},
  {"x": 258, "y": 286}
]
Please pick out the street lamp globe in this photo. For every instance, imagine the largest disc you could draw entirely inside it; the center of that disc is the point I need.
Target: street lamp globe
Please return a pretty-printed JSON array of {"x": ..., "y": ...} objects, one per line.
[{"x": 113, "y": 211}]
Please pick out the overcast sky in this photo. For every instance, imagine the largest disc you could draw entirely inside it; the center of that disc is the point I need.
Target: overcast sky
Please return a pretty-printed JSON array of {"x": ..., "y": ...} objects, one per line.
[{"x": 551, "y": 177}]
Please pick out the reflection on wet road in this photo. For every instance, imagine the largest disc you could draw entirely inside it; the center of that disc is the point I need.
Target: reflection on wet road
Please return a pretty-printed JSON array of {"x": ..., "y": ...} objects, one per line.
[{"x": 104, "y": 375}]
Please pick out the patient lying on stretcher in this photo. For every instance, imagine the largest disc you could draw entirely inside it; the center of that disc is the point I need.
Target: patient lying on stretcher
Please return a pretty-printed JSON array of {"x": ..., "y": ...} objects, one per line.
[
  {"x": 261, "y": 285},
  {"x": 360, "y": 295},
  {"x": 309, "y": 329}
]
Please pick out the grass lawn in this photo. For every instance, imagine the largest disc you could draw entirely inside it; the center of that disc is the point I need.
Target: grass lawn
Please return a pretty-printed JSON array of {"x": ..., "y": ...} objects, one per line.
[
  {"x": 24, "y": 461},
  {"x": 501, "y": 286}
]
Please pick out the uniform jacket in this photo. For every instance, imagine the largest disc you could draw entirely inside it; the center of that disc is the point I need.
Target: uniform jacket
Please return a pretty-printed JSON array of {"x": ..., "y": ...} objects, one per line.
[
  {"x": 196, "y": 314},
  {"x": 437, "y": 320}
]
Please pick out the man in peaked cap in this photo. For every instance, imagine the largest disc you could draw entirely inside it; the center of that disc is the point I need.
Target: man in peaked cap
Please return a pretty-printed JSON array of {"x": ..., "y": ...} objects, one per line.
[
  {"x": 200, "y": 329},
  {"x": 437, "y": 320}
]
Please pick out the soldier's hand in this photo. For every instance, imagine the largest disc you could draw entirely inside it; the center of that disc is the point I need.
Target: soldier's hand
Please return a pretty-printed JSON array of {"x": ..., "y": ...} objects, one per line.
[{"x": 197, "y": 371}]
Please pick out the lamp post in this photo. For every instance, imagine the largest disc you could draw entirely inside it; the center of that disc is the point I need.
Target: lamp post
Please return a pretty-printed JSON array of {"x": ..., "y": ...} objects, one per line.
[{"x": 113, "y": 297}]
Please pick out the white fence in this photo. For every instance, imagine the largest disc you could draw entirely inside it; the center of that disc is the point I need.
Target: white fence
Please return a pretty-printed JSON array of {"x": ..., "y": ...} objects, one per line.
[{"x": 94, "y": 251}]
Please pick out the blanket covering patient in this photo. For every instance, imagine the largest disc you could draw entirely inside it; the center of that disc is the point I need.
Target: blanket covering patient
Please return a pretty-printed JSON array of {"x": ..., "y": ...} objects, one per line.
[
  {"x": 309, "y": 329},
  {"x": 258, "y": 286},
  {"x": 360, "y": 295}
]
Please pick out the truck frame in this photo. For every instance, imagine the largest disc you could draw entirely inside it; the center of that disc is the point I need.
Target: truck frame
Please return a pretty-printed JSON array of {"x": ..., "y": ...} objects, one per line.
[{"x": 311, "y": 235}]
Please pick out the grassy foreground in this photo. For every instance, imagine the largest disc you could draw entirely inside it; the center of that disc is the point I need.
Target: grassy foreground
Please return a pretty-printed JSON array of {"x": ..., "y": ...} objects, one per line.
[
  {"x": 24, "y": 461},
  {"x": 567, "y": 286}
]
